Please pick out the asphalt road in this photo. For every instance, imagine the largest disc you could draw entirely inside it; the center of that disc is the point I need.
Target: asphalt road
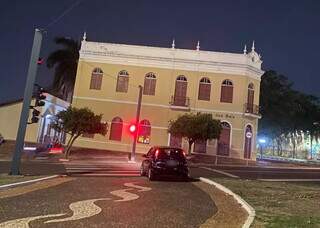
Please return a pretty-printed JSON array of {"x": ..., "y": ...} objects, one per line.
[
  {"x": 267, "y": 173},
  {"x": 110, "y": 202}
]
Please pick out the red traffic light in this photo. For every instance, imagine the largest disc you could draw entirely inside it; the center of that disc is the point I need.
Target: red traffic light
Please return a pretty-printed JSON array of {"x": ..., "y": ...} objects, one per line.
[
  {"x": 40, "y": 61},
  {"x": 132, "y": 128}
]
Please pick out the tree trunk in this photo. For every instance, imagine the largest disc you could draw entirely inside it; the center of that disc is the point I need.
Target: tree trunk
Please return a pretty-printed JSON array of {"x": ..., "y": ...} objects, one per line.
[
  {"x": 67, "y": 147},
  {"x": 190, "y": 146},
  {"x": 70, "y": 145}
]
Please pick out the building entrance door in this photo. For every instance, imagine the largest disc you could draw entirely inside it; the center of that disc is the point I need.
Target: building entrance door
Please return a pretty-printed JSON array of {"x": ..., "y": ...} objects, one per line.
[
  {"x": 200, "y": 146},
  {"x": 175, "y": 141},
  {"x": 224, "y": 140}
]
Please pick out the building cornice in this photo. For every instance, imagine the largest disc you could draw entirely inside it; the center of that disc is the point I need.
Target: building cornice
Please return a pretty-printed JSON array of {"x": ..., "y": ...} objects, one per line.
[{"x": 168, "y": 58}]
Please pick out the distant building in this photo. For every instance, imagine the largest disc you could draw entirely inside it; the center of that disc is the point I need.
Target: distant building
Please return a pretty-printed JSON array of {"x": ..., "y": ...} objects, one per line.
[
  {"x": 175, "y": 81},
  {"x": 40, "y": 132}
]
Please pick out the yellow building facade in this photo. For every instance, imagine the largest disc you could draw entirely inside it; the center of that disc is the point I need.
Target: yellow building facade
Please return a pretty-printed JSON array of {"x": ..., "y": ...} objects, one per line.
[{"x": 175, "y": 81}]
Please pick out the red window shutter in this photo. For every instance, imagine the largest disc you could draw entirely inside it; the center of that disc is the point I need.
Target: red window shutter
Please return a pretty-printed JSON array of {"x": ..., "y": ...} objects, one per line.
[
  {"x": 204, "y": 92},
  {"x": 152, "y": 86},
  {"x": 146, "y": 86},
  {"x": 122, "y": 84},
  {"x": 92, "y": 82},
  {"x": 96, "y": 81},
  {"x": 226, "y": 94}
]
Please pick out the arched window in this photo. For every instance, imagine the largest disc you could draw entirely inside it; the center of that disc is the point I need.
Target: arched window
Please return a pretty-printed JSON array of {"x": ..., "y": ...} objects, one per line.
[
  {"x": 226, "y": 91},
  {"x": 204, "y": 89},
  {"x": 144, "y": 132},
  {"x": 123, "y": 81},
  {"x": 180, "y": 91},
  {"x": 224, "y": 139},
  {"x": 149, "y": 87},
  {"x": 96, "y": 79},
  {"x": 250, "y": 98},
  {"x": 116, "y": 129}
]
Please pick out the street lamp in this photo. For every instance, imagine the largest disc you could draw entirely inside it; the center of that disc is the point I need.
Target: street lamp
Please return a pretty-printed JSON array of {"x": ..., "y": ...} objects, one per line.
[{"x": 262, "y": 141}]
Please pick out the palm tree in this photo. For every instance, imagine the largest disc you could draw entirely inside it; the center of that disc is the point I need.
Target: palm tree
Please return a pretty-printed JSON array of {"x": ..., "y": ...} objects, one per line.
[{"x": 65, "y": 61}]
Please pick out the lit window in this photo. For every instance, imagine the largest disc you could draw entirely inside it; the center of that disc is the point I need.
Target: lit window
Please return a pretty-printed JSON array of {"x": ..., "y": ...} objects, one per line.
[{"x": 144, "y": 132}]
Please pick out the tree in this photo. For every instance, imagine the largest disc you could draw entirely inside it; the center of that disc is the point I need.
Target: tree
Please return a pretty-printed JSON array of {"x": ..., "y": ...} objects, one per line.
[
  {"x": 193, "y": 127},
  {"x": 78, "y": 121},
  {"x": 65, "y": 61},
  {"x": 286, "y": 113}
]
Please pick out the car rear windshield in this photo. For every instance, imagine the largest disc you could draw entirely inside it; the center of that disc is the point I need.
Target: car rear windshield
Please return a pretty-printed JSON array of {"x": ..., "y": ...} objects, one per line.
[{"x": 170, "y": 153}]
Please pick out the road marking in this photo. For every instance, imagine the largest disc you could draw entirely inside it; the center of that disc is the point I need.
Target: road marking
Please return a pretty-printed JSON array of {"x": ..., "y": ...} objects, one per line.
[
  {"x": 27, "y": 182},
  {"x": 244, "y": 204},
  {"x": 24, "y": 222},
  {"x": 81, "y": 209},
  {"x": 273, "y": 171},
  {"x": 293, "y": 180},
  {"x": 106, "y": 174},
  {"x": 126, "y": 196},
  {"x": 221, "y": 172},
  {"x": 142, "y": 189}
]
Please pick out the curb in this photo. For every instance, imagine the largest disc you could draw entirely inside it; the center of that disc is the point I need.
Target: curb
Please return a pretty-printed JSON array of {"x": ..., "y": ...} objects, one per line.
[
  {"x": 244, "y": 204},
  {"x": 27, "y": 182}
]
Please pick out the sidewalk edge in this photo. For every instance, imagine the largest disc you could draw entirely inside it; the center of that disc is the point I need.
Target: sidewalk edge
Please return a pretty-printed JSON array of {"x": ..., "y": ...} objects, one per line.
[
  {"x": 251, "y": 212},
  {"x": 27, "y": 182}
]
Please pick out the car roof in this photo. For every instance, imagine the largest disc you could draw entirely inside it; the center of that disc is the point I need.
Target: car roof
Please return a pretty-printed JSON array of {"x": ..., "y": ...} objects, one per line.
[{"x": 167, "y": 147}]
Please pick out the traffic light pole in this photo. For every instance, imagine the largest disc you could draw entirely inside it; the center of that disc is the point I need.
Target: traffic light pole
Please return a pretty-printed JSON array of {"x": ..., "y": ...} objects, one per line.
[
  {"x": 31, "y": 77},
  {"x": 133, "y": 152}
]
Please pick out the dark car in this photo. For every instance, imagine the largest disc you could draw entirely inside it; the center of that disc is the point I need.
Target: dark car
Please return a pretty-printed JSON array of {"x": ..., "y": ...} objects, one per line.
[{"x": 164, "y": 161}]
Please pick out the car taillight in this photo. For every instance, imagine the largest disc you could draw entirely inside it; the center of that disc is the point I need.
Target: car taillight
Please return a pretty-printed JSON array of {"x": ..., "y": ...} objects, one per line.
[
  {"x": 184, "y": 154},
  {"x": 157, "y": 153}
]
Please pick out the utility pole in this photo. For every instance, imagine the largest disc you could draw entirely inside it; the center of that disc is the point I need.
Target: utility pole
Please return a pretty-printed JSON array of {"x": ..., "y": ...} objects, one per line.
[
  {"x": 133, "y": 152},
  {"x": 31, "y": 77}
]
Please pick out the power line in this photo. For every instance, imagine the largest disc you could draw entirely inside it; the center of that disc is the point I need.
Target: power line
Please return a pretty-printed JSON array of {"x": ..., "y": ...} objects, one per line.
[
  {"x": 113, "y": 77},
  {"x": 64, "y": 13}
]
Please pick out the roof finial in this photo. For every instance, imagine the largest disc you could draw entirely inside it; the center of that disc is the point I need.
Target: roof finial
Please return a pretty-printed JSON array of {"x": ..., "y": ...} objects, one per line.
[
  {"x": 198, "y": 46},
  {"x": 252, "y": 48},
  {"x": 245, "y": 49},
  {"x": 84, "y": 38},
  {"x": 173, "y": 44}
]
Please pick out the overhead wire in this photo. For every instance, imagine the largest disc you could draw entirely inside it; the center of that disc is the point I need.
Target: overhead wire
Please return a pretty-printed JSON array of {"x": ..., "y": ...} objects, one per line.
[{"x": 64, "y": 13}]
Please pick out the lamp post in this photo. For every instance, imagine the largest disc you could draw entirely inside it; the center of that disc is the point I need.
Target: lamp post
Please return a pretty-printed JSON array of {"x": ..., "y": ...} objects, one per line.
[
  {"x": 133, "y": 152},
  {"x": 262, "y": 141},
  {"x": 315, "y": 124}
]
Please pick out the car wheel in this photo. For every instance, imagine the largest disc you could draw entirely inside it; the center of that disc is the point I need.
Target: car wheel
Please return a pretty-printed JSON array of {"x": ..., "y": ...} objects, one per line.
[
  {"x": 151, "y": 175},
  {"x": 142, "y": 173}
]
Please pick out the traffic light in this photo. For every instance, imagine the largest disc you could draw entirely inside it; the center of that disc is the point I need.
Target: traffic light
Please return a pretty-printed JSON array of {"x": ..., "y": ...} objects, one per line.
[
  {"x": 132, "y": 128},
  {"x": 35, "y": 114},
  {"x": 38, "y": 103},
  {"x": 40, "y": 61},
  {"x": 40, "y": 97}
]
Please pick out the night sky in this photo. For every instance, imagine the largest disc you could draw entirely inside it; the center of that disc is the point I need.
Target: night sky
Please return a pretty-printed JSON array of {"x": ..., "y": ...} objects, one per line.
[{"x": 287, "y": 33}]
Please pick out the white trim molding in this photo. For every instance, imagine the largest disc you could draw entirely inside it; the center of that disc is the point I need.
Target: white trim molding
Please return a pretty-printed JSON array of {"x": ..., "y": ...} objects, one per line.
[
  {"x": 183, "y": 59},
  {"x": 154, "y": 105}
]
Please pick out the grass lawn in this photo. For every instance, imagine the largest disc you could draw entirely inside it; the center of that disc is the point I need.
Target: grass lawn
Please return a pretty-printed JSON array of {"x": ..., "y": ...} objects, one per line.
[
  {"x": 7, "y": 179},
  {"x": 279, "y": 204}
]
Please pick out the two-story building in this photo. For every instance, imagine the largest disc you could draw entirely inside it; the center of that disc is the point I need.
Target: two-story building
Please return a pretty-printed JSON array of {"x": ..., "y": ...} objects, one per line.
[{"x": 175, "y": 81}]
